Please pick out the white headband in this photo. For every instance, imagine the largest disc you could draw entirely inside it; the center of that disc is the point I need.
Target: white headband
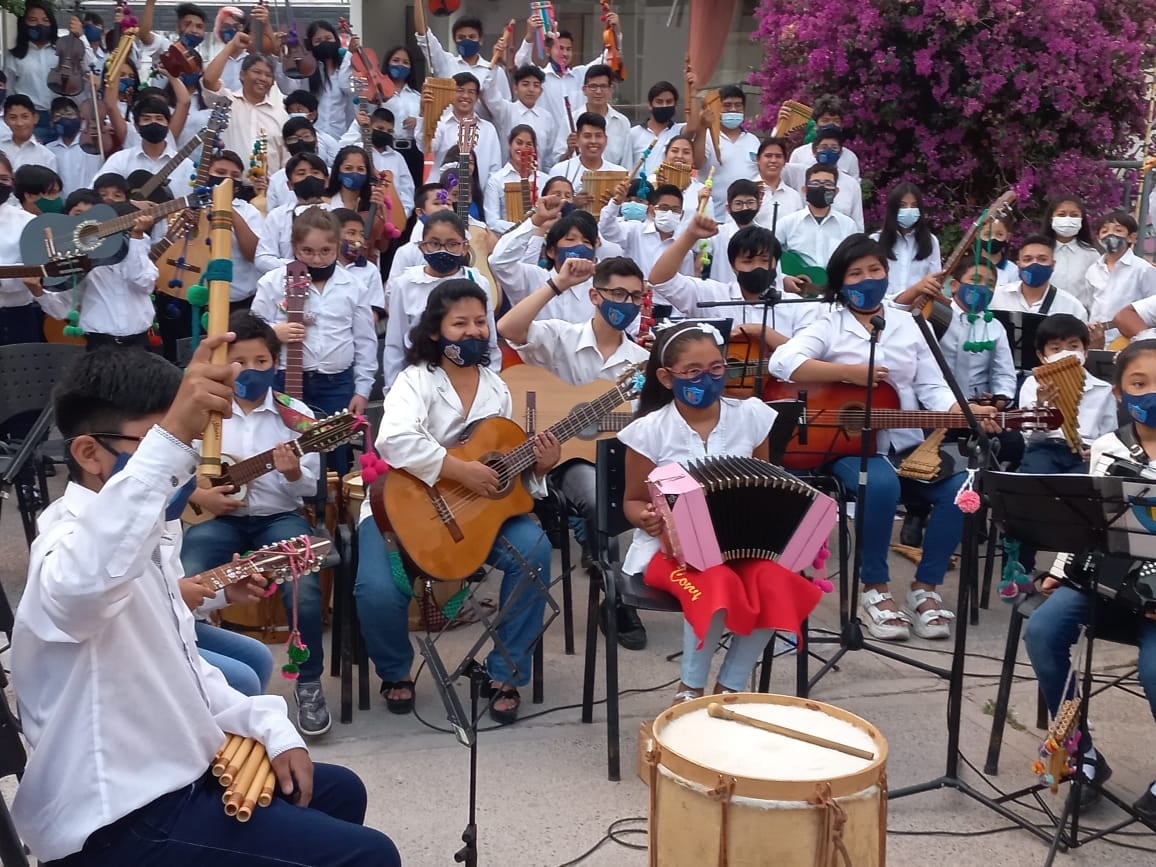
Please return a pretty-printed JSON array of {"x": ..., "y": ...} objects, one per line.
[{"x": 686, "y": 328}]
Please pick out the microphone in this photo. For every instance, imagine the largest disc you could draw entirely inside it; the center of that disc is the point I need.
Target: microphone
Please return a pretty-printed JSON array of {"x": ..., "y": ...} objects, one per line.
[{"x": 878, "y": 323}]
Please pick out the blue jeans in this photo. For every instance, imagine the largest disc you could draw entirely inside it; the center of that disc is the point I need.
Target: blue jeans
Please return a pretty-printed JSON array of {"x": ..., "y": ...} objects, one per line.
[
  {"x": 214, "y": 543},
  {"x": 382, "y": 606},
  {"x": 189, "y": 828},
  {"x": 1049, "y": 457},
  {"x": 1054, "y": 627},
  {"x": 245, "y": 662},
  {"x": 738, "y": 663},
  {"x": 944, "y": 527},
  {"x": 326, "y": 394}
]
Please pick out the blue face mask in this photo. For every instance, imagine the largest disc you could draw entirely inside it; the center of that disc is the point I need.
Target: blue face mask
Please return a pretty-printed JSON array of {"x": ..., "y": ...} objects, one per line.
[
  {"x": 866, "y": 294},
  {"x": 634, "y": 212},
  {"x": 177, "y": 502},
  {"x": 36, "y": 33},
  {"x": 352, "y": 180},
  {"x": 974, "y": 297},
  {"x": 702, "y": 391},
  {"x": 227, "y": 34},
  {"x": 67, "y": 127},
  {"x": 578, "y": 251},
  {"x": 907, "y": 217},
  {"x": 398, "y": 72},
  {"x": 467, "y": 48},
  {"x": 93, "y": 33},
  {"x": 732, "y": 119},
  {"x": 827, "y": 158},
  {"x": 443, "y": 262},
  {"x": 191, "y": 79},
  {"x": 465, "y": 353},
  {"x": 1036, "y": 275},
  {"x": 618, "y": 314},
  {"x": 192, "y": 40},
  {"x": 567, "y": 209},
  {"x": 1142, "y": 407},
  {"x": 252, "y": 384}
]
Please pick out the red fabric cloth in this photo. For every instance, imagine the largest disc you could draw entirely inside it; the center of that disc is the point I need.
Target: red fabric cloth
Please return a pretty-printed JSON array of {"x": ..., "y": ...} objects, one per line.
[{"x": 756, "y": 594}]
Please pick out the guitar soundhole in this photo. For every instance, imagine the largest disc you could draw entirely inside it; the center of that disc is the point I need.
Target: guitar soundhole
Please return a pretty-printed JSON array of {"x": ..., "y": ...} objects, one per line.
[
  {"x": 495, "y": 460},
  {"x": 590, "y": 432},
  {"x": 85, "y": 238},
  {"x": 851, "y": 418}
]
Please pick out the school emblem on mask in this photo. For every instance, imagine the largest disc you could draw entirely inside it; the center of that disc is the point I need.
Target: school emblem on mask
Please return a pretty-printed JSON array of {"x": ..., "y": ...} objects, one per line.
[{"x": 454, "y": 353}]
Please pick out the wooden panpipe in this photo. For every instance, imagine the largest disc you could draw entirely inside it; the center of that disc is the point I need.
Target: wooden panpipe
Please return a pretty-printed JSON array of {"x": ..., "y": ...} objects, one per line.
[
  {"x": 678, "y": 174},
  {"x": 1067, "y": 375},
  {"x": 221, "y": 245},
  {"x": 243, "y": 769}
]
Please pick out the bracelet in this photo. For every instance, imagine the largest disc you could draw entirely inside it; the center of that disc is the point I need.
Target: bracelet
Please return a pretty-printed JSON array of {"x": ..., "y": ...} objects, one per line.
[{"x": 550, "y": 282}]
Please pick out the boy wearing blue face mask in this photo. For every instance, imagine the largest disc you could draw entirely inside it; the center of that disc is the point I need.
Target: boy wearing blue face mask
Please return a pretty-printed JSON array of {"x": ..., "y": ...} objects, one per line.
[
  {"x": 1033, "y": 293},
  {"x": 581, "y": 352},
  {"x": 75, "y": 166},
  {"x": 738, "y": 147},
  {"x": 1119, "y": 278},
  {"x": 976, "y": 348},
  {"x": 262, "y": 420},
  {"x": 467, "y": 36}
]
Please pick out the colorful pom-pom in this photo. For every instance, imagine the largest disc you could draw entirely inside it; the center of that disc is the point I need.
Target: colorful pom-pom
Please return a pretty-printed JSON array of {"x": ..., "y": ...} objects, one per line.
[
  {"x": 198, "y": 295},
  {"x": 968, "y": 502}
]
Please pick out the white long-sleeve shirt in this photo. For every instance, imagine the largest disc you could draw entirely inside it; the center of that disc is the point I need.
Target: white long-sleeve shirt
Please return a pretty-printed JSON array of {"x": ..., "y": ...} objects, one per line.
[
  {"x": 618, "y": 148},
  {"x": 804, "y": 156},
  {"x": 557, "y": 86},
  {"x": 574, "y": 170},
  {"x": 738, "y": 164},
  {"x": 640, "y": 241},
  {"x": 114, "y": 299},
  {"x": 1097, "y": 412},
  {"x": 29, "y": 74},
  {"x": 342, "y": 332},
  {"x": 497, "y": 217},
  {"x": 1073, "y": 260},
  {"x": 487, "y": 150},
  {"x": 904, "y": 271},
  {"x": 405, "y": 103},
  {"x": 447, "y": 65},
  {"x": 813, "y": 239},
  {"x": 788, "y": 200},
  {"x": 686, "y": 294},
  {"x": 13, "y": 220},
  {"x": 334, "y": 102},
  {"x": 1009, "y": 296},
  {"x": 507, "y": 114},
  {"x": 848, "y": 199},
  {"x": 105, "y": 662},
  {"x": 992, "y": 371},
  {"x": 31, "y": 153},
  {"x": 125, "y": 162},
  {"x": 640, "y": 138},
  {"x": 1132, "y": 280},
  {"x": 75, "y": 166},
  {"x": 512, "y": 264}
]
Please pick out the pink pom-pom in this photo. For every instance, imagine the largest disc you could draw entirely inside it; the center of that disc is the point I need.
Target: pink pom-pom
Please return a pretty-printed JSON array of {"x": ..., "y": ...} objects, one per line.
[
  {"x": 371, "y": 467},
  {"x": 824, "y": 585},
  {"x": 290, "y": 675},
  {"x": 968, "y": 502}
]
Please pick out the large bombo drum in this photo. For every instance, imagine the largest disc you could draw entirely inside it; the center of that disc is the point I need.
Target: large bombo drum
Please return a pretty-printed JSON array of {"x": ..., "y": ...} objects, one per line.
[{"x": 725, "y": 793}]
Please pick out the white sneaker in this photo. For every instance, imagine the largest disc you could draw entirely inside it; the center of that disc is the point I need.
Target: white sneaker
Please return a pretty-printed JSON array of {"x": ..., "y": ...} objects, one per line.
[
  {"x": 882, "y": 623},
  {"x": 921, "y": 620}
]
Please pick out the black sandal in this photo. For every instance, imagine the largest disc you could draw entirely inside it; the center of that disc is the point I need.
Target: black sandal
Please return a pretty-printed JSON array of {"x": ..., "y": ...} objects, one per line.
[
  {"x": 398, "y": 705},
  {"x": 510, "y": 715}
]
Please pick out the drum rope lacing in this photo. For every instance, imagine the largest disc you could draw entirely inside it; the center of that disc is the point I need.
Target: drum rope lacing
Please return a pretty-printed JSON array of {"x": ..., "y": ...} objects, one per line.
[
  {"x": 831, "y": 828},
  {"x": 723, "y": 793},
  {"x": 653, "y": 755}
]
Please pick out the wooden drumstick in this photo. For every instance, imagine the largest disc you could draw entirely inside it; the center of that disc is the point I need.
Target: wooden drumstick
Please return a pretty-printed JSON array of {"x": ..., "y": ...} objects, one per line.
[
  {"x": 221, "y": 244},
  {"x": 707, "y": 184},
  {"x": 719, "y": 712}
]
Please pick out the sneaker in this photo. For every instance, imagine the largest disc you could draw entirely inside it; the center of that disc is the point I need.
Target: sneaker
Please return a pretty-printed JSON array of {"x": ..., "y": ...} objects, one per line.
[
  {"x": 312, "y": 713},
  {"x": 631, "y": 632},
  {"x": 1145, "y": 805}
]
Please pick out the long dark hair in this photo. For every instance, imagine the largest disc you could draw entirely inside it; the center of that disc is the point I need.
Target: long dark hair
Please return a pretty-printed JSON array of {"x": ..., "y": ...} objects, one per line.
[
  {"x": 423, "y": 337},
  {"x": 335, "y": 182},
  {"x": 890, "y": 233},
  {"x": 853, "y": 247},
  {"x": 669, "y": 346},
  {"x": 320, "y": 76},
  {"x": 22, "y": 41},
  {"x": 411, "y": 80},
  {"x": 450, "y": 168},
  {"x": 1084, "y": 237}
]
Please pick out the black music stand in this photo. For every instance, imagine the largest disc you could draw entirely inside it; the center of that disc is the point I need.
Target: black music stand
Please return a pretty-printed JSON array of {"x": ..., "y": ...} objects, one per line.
[
  {"x": 1084, "y": 514},
  {"x": 465, "y": 727},
  {"x": 1021, "y": 336}
]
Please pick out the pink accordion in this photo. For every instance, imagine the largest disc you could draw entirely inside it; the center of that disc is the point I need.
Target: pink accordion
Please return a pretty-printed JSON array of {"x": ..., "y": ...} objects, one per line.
[{"x": 729, "y": 508}]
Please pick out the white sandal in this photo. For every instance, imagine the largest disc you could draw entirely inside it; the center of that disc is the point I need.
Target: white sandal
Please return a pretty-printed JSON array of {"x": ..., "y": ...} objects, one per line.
[
  {"x": 921, "y": 620},
  {"x": 686, "y": 695},
  {"x": 882, "y": 623}
]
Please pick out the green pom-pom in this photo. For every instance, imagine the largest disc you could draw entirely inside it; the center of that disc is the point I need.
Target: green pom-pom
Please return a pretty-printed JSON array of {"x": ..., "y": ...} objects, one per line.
[
  {"x": 204, "y": 321},
  {"x": 988, "y": 316},
  {"x": 298, "y": 654},
  {"x": 73, "y": 331},
  {"x": 971, "y": 317},
  {"x": 198, "y": 295},
  {"x": 73, "y": 317}
]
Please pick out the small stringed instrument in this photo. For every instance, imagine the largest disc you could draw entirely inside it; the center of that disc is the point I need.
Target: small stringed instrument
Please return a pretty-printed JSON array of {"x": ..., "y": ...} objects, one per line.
[
  {"x": 326, "y": 435},
  {"x": 96, "y": 136},
  {"x": 297, "y": 60},
  {"x": 259, "y": 167},
  {"x": 178, "y": 59},
  {"x": 99, "y": 233},
  {"x": 610, "y": 45},
  {"x": 476, "y": 235},
  {"x": 297, "y": 286},
  {"x": 835, "y": 418},
  {"x": 447, "y": 530},
  {"x": 368, "y": 68},
  {"x": 937, "y": 311},
  {"x": 67, "y": 77},
  {"x": 144, "y": 185},
  {"x": 272, "y": 562},
  {"x": 542, "y": 399}
]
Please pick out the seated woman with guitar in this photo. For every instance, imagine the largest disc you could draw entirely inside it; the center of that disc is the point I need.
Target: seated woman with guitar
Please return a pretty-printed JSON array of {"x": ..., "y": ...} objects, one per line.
[
  {"x": 447, "y": 387},
  {"x": 835, "y": 350}
]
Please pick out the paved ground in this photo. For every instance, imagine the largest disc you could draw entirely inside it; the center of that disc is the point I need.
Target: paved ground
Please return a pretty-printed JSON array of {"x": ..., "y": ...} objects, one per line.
[{"x": 544, "y": 798}]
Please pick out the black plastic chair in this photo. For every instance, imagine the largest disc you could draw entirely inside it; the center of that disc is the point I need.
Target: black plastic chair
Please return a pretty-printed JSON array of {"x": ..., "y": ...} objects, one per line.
[
  {"x": 12, "y": 760},
  {"x": 347, "y": 647}
]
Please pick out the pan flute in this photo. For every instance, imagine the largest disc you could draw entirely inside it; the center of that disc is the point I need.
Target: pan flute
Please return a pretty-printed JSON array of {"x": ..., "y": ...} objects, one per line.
[
  {"x": 713, "y": 101},
  {"x": 674, "y": 173},
  {"x": 443, "y": 91},
  {"x": 729, "y": 508},
  {"x": 600, "y": 186},
  {"x": 799, "y": 115},
  {"x": 1067, "y": 375},
  {"x": 517, "y": 201}
]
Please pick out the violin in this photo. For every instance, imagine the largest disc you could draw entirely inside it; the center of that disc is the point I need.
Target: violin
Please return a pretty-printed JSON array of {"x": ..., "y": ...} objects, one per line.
[
  {"x": 296, "y": 60},
  {"x": 180, "y": 60},
  {"x": 67, "y": 77},
  {"x": 96, "y": 134},
  {"x": 610, "y": 43},
  {"x": 442, "y": 8},
  {"x": 366, "y": 66}
]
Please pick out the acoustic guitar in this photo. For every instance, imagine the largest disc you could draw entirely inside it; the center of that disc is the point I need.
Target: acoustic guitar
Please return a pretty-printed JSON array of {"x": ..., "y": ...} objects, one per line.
[
  {"x": 144, "y": 185},
  {"x": 475, "y": 235},
  {"x": 448, "y": 530},
  {"x": 297, "y": 286},
  {"x": 272, "y": 562},
  {"x": 326, "y": 435},
  {"x": 541, "y": 399},
  {"x": 834, "y": 419}
]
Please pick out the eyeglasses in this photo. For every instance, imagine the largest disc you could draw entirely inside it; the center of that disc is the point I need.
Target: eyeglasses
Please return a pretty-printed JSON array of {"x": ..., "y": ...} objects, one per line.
[
  {"x": 675, "y": 209},
  {"x": 820, "y": 185},
  {"x": 744, "y": 204},
  {"x": 596, "y": 87},
  {"x": 716, "y": 371},
  {"x": 300, "y": 139},
  {"x": 455, "y": 247},
  {"x": 101, "y": 437},
  {"x": 620, "y": 296}
]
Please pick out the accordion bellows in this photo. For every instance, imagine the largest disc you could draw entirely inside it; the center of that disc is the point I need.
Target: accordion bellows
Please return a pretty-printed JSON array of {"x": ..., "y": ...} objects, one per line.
[{"x": 732, "y": 508}]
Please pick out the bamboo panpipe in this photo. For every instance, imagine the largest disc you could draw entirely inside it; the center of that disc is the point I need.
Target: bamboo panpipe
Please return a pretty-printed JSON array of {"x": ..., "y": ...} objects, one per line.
[
  {"x": 246, "y": 776},
  {"x": 221, "y": 243},
  {"x": 237, "y": 762}
]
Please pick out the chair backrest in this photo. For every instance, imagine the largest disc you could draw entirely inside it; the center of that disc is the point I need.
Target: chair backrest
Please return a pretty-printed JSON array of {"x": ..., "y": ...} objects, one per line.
[
  {"x": 28, "y": 373},
  {"x": 184, "y": 351},
  {"x": 787, "y": 419},
  {"x": 610, "y": 484}
]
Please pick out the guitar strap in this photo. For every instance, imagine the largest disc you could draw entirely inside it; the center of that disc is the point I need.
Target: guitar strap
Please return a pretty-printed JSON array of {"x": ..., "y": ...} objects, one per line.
[
  {"x": 1048, "y": 299},
  {"x": 1127, "y": 435},
  {"x": 293, "y": 419}
]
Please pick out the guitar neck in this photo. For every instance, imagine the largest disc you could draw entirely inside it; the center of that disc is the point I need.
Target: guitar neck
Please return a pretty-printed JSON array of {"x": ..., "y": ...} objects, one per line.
[
  {"x": 295, "y": 356},
  {"x": 160, "y": 248},
  {"x": 230, "y": 573},
  {"x": 527, "y": 200},
  {"x": 154, "y": 183},
  {"x": 888, "y": 419},
  {"x": 243, "y": 472},
  {"x": 465, "y": 181},
  {"x": 124, "y": 224}
]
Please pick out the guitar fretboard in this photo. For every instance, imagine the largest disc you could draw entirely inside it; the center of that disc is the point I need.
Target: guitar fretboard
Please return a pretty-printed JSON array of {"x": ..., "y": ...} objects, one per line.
[
  {"x": 887, "y": 419},
  {"x": 124, "y": 224}
]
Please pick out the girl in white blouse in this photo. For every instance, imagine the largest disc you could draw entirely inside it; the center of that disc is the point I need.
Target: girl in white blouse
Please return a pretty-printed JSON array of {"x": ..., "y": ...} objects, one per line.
[
  {"x": 330, "y": 82},
  {"x": 1066, "y": 221},
  {"x": 910, "y": 245},
  {"x": 836, "y": 350},
  {"x": 681, "y": 418},
  {"x": 447, "y": 387}
]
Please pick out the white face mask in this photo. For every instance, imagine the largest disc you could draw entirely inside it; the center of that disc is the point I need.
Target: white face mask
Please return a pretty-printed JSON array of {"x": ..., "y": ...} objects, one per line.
[
  {"x": 667, "y": 221},
  {"x": 1066, "y": 227},
  {"x": 1067, "y": 353}
]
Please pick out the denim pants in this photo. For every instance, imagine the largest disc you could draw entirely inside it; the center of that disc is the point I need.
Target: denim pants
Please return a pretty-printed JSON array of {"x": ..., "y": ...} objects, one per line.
[
  {"x": 382, "y": 607},
  {"x": 326, "y": 394},
  {"x": 245, "y": 662},
  {"x": 738, "y": 663},
  {"x": 944, "y": 527},
  {"x": 1050, "y": 457},
  {"x": 1054, "y": 627},
  {"x": 189, "y": 828},
  {"x": 214, "y": 543}
]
